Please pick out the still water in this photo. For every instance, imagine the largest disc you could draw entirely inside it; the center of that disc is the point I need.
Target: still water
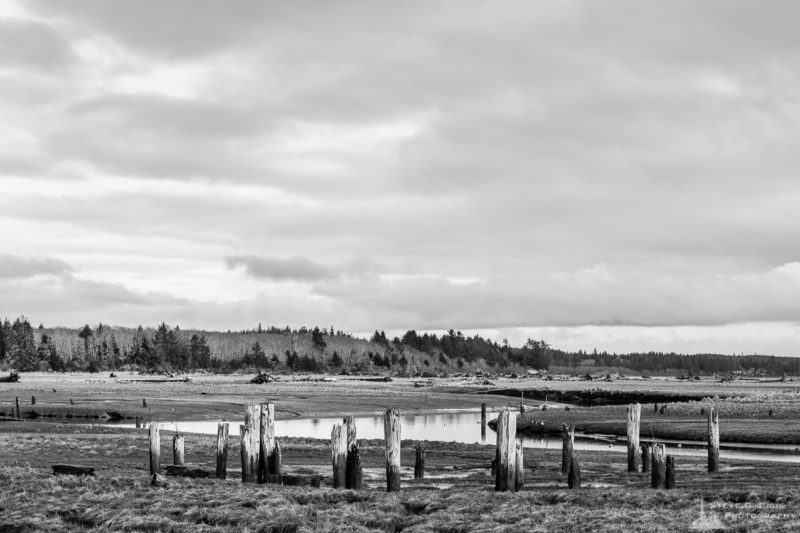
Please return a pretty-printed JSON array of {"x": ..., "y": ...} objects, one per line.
[{"x": 465, "y": 427}]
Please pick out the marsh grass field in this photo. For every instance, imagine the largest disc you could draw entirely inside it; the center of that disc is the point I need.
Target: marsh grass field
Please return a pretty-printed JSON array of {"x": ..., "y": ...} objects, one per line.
[{"x": 456, "y": 495}]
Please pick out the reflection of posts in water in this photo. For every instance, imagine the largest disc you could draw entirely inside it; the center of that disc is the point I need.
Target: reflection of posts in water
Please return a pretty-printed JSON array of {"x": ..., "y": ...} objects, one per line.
[{"x": 483, "y": 421}]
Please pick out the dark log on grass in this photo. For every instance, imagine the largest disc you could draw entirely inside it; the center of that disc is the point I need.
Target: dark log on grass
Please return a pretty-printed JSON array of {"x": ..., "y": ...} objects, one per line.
[
  {"x": 157, "y": 480},
  {"x": 266, "y": 440},
  {"x": 567, "y": 447},
  {"x": 506, "y": 458},
  {"x": 353, "y": 476},
  {"x": 12, "y": 377},
  {"x": 70, "y": 470},
  {"x": 647, "y": 451},
  {"x": 155, "y": 449},
  {"x": 185, "y": 471},
  {"x": 419, "y": 462},
  {"x": 519, "y": 471},
  {"x": 177, "y": 449},
  {"x": 222, "y": 451},
  {"x": 391, "y": 433},
  {"x": 339, "y": 454},
  {"x": 670, "y": 482},
  {"x": 574, "y": 475},
  {"x": 634, "y": 416},
  {"x": 713, "y": 440},
  {"x": 658, "y": 475}
]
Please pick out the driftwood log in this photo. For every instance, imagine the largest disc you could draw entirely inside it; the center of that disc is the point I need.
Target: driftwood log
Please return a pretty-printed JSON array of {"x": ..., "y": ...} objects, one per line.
[
  {"x": 185, "y": 471},
  {"x": 70, "y": 470},
  {"x": 295, "y": 480}
]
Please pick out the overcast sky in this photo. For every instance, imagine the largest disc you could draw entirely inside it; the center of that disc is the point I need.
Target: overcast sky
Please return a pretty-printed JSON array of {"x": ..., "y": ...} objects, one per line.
[{"x": 616, "y": 174}]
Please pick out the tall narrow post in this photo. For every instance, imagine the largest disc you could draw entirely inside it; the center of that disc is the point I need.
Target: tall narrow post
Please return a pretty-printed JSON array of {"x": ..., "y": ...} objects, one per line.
[
  {"x": 670, "y": 482},
  {"x": 350, "y": 423},
  {"x": 155, "y": 449},
  {"x": 33, "y": 400},
  {"x": 522, "y": 402},
  {"x": 222, "y": 451},
  {"x": 658, "y": 475},
  {"x": 246, "y": 454},
  {"x": 574, "y": 476},
  {"x": 519, "y": 470},
  {"x": 419, "y": 462},
  {"x": 144, "y": 403},
  {"x": 567, "y": 446},
  {"x": 252, "y": 419},
  {"x": 483, "y": 421},
  {"x": 634, "y": 415},
  {"x": 647, "y": 451},
  {"x": 339, "y": 455},
  {"x": 713, "y": 440},
  {"x": 391, "y": 432},
  {"x": 266, "y": 440},
  {"x": 353, "y": 476},
  {"x": 177, "y": 449},
  {"x": 16, "y": 408},
  {"x": 275, "y": 460},
  {"x": 506, "y": 462}
]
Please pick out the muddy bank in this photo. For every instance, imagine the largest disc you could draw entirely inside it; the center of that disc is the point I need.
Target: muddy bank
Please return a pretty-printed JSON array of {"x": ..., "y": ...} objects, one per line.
[{"x": 597, "y": 397}]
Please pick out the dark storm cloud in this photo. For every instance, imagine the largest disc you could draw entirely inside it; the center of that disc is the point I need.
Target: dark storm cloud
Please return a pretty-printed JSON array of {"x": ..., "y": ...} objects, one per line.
[{"x": 17, "y": 266}]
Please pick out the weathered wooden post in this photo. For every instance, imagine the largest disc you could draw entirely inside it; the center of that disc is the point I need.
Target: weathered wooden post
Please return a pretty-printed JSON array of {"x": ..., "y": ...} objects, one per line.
[
  {"x": 646, "y": 455},
  {"x": 567, "y": 447},
  {"x": 155, "y": 449},
  {"x": 519, "y": 469},
  {"x": 222, "y": 451},
  {"x": 266, "y": 440},
  {"x": 521, "y": 402},
  {"x": 419, "y": 462},
  {"x": 658, "y": 475},
  {"x": 670, "y": 481},
  {"x": 391, "y": 432},
  {"x": 350, "y": 423},
  {"x": 177, "y": 449},
  {"x": 252, "y": 419},
  {"x": 16, "y": 408},
  {"x": 144, "y": 403},
  {"x": 138, "y": 423},
  {"x": 483, "y": 420},
  {"x": 506, "y": 459},
  {"x": 353, "y": 477},
  {"x": 339, "y": 455},
  {"x": 713, "y": 440},
  {"x": 655, "y": 408},
  {"x": 246, "y": 454},
  {"x": 33, "y": 400},
  {"x": 275, "y": 461},
  {"x": 574, "y": 476},
  {"x": 634, "y": 415}
]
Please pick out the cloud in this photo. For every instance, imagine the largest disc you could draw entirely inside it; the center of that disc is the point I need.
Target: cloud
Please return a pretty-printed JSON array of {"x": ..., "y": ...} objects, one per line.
[
  {"x": 295, "y": 268},
  {"x": 18, "y": 267},
  {"x": 31, "y": 45}
]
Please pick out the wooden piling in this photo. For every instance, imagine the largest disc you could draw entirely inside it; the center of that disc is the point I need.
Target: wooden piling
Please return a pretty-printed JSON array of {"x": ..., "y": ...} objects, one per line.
[
  {"x": 155, "y": 449},
  {"x": 266, "y": 440},
  {"x": 567, "y": 447},
  {"x": 144, "y": 403},
  {"x": 506, "y": 440},
  {"x": 16, "y": 408},
  {"x": 483, "y": 420},
  {"x": 222, "y": 451},
  {"x": 658, "y": 476},
  {"x": 670, "y": 481},
  {"x": 33, "y": 400},
  {"x": 713, "y": 440},
  {"x": 634, "y": 416},
  {"x": 391, "y": 432},
  {"x": 522, "y": 402},
  {"x": 519, "y": 469},
  {"x": 252, "y": 419},
  {"x": 353, "y": 476},
  {"x": 419, "y": 462},
  {"x": 177, "y": 450},
  {"x": 574, "y": 476},
  {"x": 350, "y": 423},
  {"x": 339, "y": 454},
  {"x": 138, "y": 423},
  {"x": 647, "y": 451},
  {"x": 275, "y": 460},
  {"x": 246, "y": 454}
]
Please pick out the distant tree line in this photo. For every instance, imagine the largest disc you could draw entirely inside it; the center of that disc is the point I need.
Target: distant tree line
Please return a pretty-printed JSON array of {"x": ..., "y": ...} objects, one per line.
[{"x": 166, "y": 348}]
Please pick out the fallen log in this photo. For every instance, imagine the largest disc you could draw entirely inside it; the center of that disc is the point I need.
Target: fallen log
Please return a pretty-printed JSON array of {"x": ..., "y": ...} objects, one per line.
[
  {"x": 13, "y": 377},
  {"x": 293, "y": 480},
  {"x": 70, "y": 470},
  {"x": 185, "y": 471}
]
